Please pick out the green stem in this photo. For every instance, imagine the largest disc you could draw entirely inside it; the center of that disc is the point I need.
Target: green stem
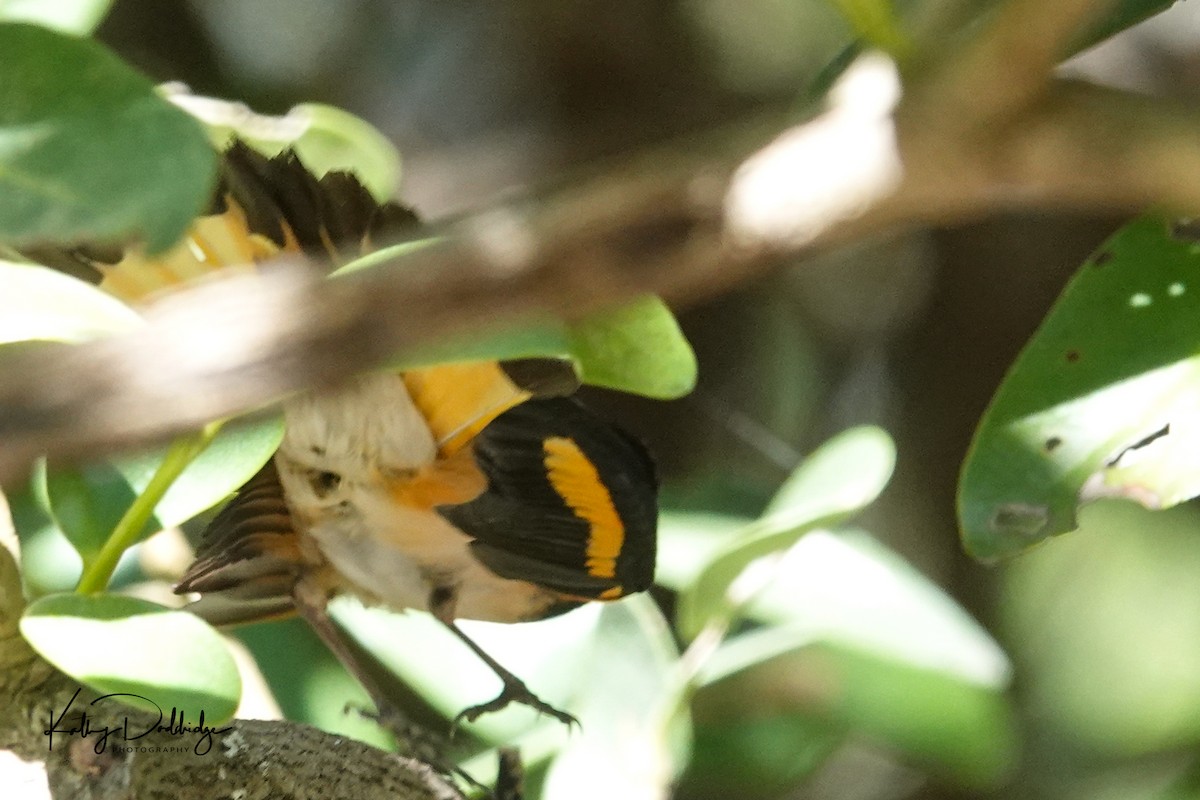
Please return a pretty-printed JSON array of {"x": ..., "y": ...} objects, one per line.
[{"x": 128, "y": 530}]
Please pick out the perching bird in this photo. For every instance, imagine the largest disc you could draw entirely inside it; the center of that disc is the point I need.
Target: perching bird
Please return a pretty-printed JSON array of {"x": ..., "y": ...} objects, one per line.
[{"x": 473, "y": 490}]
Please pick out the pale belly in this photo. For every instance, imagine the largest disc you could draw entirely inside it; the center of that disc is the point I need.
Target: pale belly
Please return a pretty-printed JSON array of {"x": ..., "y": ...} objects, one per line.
[{"x": 398, "y": 558}]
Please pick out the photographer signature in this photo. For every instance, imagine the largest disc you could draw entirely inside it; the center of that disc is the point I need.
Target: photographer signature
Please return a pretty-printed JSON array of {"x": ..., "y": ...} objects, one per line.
[{"x": 175, "y": 726}]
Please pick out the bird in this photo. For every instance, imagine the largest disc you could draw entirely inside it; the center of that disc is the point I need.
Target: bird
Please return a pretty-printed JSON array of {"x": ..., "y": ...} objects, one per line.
[{"x": 478, "y": 490}]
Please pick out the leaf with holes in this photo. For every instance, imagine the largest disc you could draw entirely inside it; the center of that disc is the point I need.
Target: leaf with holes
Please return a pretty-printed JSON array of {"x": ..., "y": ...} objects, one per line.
[{"x": 1101, "y": 403}]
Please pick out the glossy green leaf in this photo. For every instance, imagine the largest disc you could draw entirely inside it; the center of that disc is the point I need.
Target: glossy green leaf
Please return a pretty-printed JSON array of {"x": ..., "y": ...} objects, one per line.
[
  {"x": 637, "y": 348},
  {"x": 87, "y": 501},
  {"x": 324, "y": 137},
  {"x": 1101, "y": 403},
  {"x": 88, "y": 150},
  {"x": 114, "y": 643},
  {"x": 37, "y": 303},
  {"x": 68, "y": 16},
  {"x": 624, "y": 747},
  {"x": 836, "y": 481}
]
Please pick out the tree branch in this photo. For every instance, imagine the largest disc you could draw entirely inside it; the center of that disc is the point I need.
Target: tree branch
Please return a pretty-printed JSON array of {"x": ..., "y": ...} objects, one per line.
[{"x": 686, "y": 221}]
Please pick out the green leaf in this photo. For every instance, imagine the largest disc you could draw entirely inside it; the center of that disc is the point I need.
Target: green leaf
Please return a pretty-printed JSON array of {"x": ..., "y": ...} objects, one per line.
[
  {"x": 87, "y": 501},
  {"x": 1105, "y": 626},
  {"x": 848, "y": 589},
  {"x": 1101, "y": 403},
  {"x": 839, "y": 479},
  {"x": 89, "y": 150},
  {"x": 48, "y": 561},
  {"x": 114, "y": 643},
  {"x": 1123, "y": 14},
  {"x": 637, "y": 348},
  {"x": 37, "y": 303},
  {"x": 69, "y": 16},
  {"x": 324, "y": 137}
]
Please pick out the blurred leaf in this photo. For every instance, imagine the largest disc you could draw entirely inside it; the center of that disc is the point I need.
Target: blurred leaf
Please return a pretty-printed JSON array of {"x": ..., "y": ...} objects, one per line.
[
  {"x": 1123, "y": 14},
  {"x": 69, "y": 16},
  {"x": 87, "y": 501},
  {"x": 846, "y": 588},
  {"x": 757, "y": 756},
  {"x": 1105, "y": 627},
  {"x": 49, "y": 563},
  {"x": 624, "y": 748},
  {"x": 964, "y": 727},
  {"x": 324, "y": 137},
  {"x": 687, "y": 541},
  {"x": 114, "y": 643},
  {"x": 548, "y": 655},
  {"x": 637, "y": 348},
  {"x": 88, "y": 150},
  {"x": 1101, "y": 403},
  {"x": 875, "y": 22},
  {"x": 42, "y": 304},
  {"x": 836, "y": 481}
]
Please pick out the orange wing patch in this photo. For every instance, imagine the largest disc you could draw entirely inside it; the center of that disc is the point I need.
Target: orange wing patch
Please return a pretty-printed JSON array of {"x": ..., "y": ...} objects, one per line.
[
  {"x": 459, "y": 400},
  {"x": 575, "y": 479},
  {"x": 213, "y": 243},
  {"x": 447, "y": 481}
]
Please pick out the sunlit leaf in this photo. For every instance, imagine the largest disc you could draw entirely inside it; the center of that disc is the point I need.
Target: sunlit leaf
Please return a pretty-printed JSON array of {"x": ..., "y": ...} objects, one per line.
[
  {"x": 847, "y": 588},
  {"x": 624, "y": 749},
  {"x": 832, "y": 484},
  {"x": 114, "y": 643},
  {"x": 87, "y": 501},
  {"x": 1101, "y": 403},
  {"x": 88, "y": 149},
  {"x": 68, "y": 16},
  {"x": 41, "y": 304}
]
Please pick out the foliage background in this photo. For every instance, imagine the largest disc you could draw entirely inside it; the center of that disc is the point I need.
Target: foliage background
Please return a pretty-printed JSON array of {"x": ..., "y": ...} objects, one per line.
[{"x": 912, "y": 332}]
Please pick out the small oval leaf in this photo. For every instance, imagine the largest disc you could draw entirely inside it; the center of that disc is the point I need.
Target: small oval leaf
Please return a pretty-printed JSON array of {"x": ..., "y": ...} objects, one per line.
[
  {"x": 844, "y": 475},
  {"x": 113, "y": 643}
]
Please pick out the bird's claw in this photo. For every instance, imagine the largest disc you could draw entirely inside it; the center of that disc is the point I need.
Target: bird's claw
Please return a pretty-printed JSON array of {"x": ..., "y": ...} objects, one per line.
[{"x": 515, "y": 692}]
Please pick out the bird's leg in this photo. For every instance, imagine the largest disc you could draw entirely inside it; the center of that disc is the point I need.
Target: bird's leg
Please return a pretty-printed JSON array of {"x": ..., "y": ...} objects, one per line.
[
  {"x": 312, "y": 604},
  {"x": 441, "y": 604}
]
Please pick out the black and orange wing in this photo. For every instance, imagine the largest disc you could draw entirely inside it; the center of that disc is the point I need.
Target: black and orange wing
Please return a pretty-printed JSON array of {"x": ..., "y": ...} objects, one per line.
[{"x": 571, "y": 502}]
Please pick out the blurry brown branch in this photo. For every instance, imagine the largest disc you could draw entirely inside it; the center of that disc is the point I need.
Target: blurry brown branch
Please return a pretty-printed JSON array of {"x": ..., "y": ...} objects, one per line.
[{"x": 985, "y": 129}]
